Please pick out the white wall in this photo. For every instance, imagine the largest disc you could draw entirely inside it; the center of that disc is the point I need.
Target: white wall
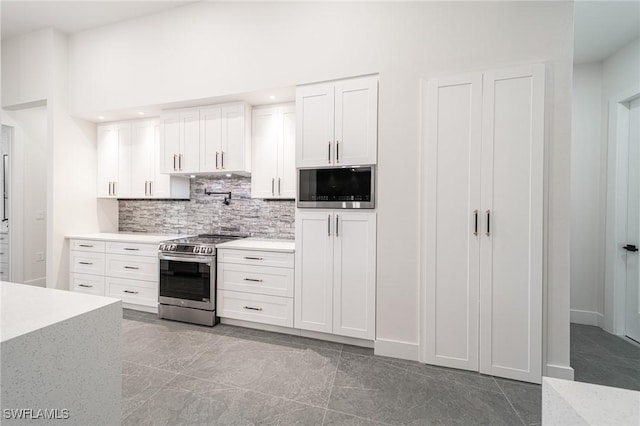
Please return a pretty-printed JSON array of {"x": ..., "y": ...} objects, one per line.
[
  {"x": 588, "y": 196},
  {"x": 210, "y": 49}
]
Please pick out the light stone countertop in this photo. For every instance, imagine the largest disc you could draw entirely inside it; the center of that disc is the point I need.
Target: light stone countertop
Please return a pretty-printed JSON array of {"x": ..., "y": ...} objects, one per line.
[
  {"x": 125, "y": 237},
  {"x": 566, "y": 402},
  {"x": 262, "y": 244},
  {"x": 25, "y": 308}
]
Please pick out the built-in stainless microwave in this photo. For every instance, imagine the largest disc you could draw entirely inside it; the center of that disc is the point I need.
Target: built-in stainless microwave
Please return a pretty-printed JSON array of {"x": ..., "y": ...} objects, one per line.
[{"x": 350, "y": 187}]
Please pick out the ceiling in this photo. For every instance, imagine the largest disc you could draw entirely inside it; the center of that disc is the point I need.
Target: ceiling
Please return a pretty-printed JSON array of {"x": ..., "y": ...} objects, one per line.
[
  {"x": 23, "y": 16},
  {"x": 603, "y": 27}
]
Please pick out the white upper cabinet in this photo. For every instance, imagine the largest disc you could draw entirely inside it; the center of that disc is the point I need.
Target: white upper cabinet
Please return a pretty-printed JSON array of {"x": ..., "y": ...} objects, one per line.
[
  {"x": 180, "y": 132},
  {"x": 235, "y": 148},
  {"x": 114, "y": 150},
  {"x": 273, "y": 150},
  {"x": 129, "y": 162},
  {"x": 337, "y": 123},
  {"x": 210, "y": 138}
]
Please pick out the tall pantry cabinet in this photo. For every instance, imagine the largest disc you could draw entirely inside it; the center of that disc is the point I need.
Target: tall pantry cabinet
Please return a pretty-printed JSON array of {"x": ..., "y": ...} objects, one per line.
[{"x": 482, "y": 214}]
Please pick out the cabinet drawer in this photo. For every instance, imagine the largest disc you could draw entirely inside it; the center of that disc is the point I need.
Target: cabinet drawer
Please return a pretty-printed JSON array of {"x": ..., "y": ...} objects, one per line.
[
  {"x": 84, "y": 283},
  {"x": 255, "y": 307},
  {"x": 256, "y": 279},
  {"x": 132, "y": 267},
  {"x": 134, "y": 249},
  {"x": 254, "y": 257},
  {"x": 88, "y": 245},
  {"x": 84, "y": 262},
  {"x": 130, "y": 291}
]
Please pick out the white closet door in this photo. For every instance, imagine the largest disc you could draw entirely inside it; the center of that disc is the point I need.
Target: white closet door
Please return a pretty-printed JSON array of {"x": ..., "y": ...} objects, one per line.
[
  {"x": 512, "y": 213},
  {"x": 313, "y": 304},
  {"x": 453, "y": 117}
]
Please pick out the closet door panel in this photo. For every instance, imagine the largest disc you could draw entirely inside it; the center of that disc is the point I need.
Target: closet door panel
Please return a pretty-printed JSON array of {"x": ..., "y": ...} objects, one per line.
[
  {"x": 453, "y": 108},
  {"x": 511, "y": 245}
]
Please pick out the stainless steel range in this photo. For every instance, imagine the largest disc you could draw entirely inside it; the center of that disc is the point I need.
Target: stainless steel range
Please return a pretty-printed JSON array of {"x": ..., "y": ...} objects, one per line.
[{"x": 188, "y": 278}]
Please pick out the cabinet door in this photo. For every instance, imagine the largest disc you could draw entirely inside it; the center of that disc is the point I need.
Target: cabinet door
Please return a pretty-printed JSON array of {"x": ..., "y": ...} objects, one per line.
[
  {"x": 356, "y": 121},
  {"x": 287, "y": 154},
  {"x": 210, "y": 138},
  {"x": 170, "y": 134},
  {"x": 189, "y": 161},
  {"x": 314, "y": 127},
  {"x": 123, "y": 183},
  {"x": 107, "y": 160},
  {"x": 142, "y": 157},
  {"x": 452, "y": 108},
  {"x": 511, "y": 242},
  {"x": 314, "y": 271},
  {"x": 354, "y": 275},
  {"x": 232, "y": 154},
  {"x": 264, "y": 147}
]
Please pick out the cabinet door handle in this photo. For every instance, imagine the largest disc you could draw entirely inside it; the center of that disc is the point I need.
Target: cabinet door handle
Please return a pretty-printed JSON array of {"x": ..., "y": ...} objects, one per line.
[
  {"x": 115, "y": 190},
  {"x": 110, "y": 191},
  {"x": 273, "y": 192},
  {"x": 131, "y": 249},
  {"x": 337, "y": 219},
  {"x": 85, "y": 245},
  {"x": 329, "y": 156},
  {"x": 329, "y": 225},
  {"x": 217, "y": 155},
  {"x": 130, "y": 292},
  {"x": 222, "y": 159},
  {"x": 253, "y": 258},
  {"x": 146, "y": 187},
  {"x": 337, "y": 152},
  {"x": 150, "y": 188},
  {"x": 279, "y": 193},
  {"x": 174, "y": 162},
  {"x": 131, "y": 267},
  {"x": 252, "y": 308},
  {"x": 85, "y": 285},
  {"x": 488, "y": 223},
  {"x": 475, "y": 222},
  {"x": 180, "y": 162},
  {"x": 253, "y": 280},
  {"x": 86, "y": 263}
]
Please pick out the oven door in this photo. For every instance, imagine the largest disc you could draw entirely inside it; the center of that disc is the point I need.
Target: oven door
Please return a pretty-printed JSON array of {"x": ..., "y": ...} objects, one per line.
[{"x": 187, "y": 281}]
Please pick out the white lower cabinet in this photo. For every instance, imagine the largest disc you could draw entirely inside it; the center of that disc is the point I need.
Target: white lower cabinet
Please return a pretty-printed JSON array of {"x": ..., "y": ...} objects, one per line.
[
  {"x": 255, "y": 286},
  {"x": 335, "y": 278},
  {"x": 126, "y": 271}
]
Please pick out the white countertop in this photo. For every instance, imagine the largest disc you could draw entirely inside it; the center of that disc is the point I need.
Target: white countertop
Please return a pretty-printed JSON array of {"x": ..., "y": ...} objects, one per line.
[
  {"x": 125, "y": 237},
  {"x": 262, "y": 244},
  {"x": 25, "y": 308},
  {"x": 565, "y": 402}
]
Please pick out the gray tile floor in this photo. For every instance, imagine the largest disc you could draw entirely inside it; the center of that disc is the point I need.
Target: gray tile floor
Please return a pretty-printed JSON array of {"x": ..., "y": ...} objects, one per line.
[
  {"x": 177, "y": 373},
  {"x": 604, "y": 359}
]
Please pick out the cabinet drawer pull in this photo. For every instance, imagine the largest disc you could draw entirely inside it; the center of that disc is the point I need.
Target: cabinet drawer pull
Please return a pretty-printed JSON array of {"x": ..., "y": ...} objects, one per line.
[
  {"x": 131, "y": 249},
  {"x": 85, "y": 245},
  {"x": 85, "y": 285},
  {"x": 130, "y": 292},
  {"x": 252, "y": 308},
  {"x": 86, "y": 263},
  {"x": 131, "y": 267},
  {"x": 253, "y": 280},
  {"x": 253, "y": 258}
]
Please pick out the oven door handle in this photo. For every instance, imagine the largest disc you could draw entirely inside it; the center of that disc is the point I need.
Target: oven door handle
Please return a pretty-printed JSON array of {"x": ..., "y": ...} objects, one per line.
[{"x": 190, "y": 259}]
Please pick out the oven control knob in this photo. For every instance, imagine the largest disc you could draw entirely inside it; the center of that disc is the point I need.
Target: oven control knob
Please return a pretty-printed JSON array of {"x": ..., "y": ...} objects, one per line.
[
  {"x": 161, "y": 247},
  {"x": 172, "y": 247},
  {"x": 196, "y": 249},
  {"x": 209, "y": 250}
]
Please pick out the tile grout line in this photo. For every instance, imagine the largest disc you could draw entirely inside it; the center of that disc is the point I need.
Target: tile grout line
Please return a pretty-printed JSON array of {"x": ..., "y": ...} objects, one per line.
[
  {"x": 335, "y": 374},
  {"x": 509, "y": 401}
]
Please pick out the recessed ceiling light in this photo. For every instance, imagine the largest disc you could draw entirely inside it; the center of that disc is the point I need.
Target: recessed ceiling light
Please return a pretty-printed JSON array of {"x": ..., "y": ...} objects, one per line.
[
  {"x": 272, "y": 97},
  {"x": 140, "y": 113},
  {"x": 193, "y": 176},
  {"x": 101, "y": 117},
  {"x": 228, "y": 174}
]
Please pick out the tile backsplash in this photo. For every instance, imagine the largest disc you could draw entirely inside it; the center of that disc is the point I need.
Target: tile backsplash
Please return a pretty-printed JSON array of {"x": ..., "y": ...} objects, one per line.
[{"x": 207, "y": 214}]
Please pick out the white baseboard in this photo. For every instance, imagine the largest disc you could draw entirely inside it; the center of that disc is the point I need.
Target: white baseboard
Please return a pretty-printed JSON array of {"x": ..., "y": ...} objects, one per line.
[
  {"x": 395, "y": 349},
  {"x": 587, "y": 317},
  {"x": 298, "y": 332},
  {"x": 38, "y": 282},
  {"x": 559, "y": 372}
]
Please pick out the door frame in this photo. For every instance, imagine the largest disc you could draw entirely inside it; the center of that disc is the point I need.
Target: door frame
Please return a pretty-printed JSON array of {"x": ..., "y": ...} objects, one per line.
[{"x": 616, "y": 213}]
